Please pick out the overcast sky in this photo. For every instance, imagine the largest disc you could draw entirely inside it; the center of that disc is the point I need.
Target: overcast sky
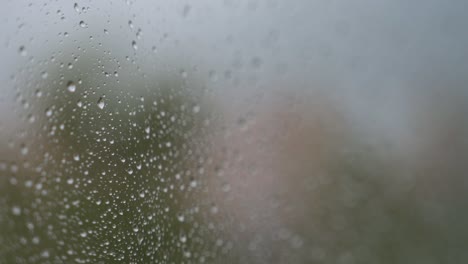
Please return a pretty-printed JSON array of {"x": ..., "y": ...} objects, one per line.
[{"x": 378, "y": 58}]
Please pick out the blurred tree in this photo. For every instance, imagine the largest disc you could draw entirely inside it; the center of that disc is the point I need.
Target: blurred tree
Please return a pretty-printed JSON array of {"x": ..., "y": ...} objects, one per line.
[{"x": 109, "y": 175}]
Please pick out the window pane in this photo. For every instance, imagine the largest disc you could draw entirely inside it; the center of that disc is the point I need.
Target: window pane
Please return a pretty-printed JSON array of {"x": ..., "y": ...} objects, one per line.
[{"x": 233, "y": 131}]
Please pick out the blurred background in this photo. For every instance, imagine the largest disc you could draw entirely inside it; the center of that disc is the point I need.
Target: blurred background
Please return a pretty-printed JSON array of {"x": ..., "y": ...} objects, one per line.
[{"x": 251, "y": 131}]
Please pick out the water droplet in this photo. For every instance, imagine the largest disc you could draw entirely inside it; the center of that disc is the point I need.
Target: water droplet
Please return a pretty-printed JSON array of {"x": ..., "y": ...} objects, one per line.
[
  {"x": 71, "y": 87},
  {"x": 101, "y": 103},
  {"x": 181, "y": 218},
  {"x": 76, "y": 157},
  {"x": 138, "y": 34},
  {"x": 22, "y": 51},
  {"x": 30, "y": 226},
  {"x": 16, "y": 210},
  {"x": 142, "y": 194},
  {"x": 214, "y": 209},
  {"x": 31, "y": 118},
  {"x": 82, "y": 24},
  {"x": 76, "y": 7},
  {"x": 130, "y": 24},
  {"x": 24, "y": 150},
  {"x": 35, "y": 240},
  {"x": 49, "y": 112},
  {"x": 44, "y": 75},
  {"x": 45, "y": 254},
  {"x": 28, "y": 184},
  {"x": 140, "y": 239},
  {"x": 196, "y": 109},
  {"x": 134, "y": 45},
  {"x": 70, "y": 181},
  {"x": 13, "y": 181},
  {"x": 193, "y": 183},
  {"x": 147, "y": 130},
  {"x": 84, "y": 234}
]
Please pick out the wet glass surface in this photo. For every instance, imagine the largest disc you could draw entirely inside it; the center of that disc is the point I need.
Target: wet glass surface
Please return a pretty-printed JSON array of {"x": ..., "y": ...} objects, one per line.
[{"x": 233, "y": 131}]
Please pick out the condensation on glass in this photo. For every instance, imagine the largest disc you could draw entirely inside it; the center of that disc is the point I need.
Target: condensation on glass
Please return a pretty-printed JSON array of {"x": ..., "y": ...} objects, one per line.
[{"x": 233, "y": 131}]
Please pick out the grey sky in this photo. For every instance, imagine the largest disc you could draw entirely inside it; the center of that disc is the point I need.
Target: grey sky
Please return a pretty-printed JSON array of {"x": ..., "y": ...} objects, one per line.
[{"x": 378, "y": 58}]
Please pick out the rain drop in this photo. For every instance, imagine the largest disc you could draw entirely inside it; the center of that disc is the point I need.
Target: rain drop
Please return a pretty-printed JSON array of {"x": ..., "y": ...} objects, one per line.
[
  {"x": 196, "y": 109},
  {"x": 101, "y": 103},
  {"x": 193, "y": 183},
  {"x": 24, "y": 150},
  {"x": 76, "y": 7},
  {"x": 16, "y": 210},
  {"x": 35, "y": 240},
  {"x": 214, "y": 209},
  {"x": 22, "y": 51},
  {"x": 181, "y": 218},
  {"x": 71, "y": 87}
]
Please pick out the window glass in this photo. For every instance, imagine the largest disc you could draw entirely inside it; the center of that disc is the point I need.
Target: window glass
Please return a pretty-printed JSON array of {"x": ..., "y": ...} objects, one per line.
[{"x": 251, "y": 131}]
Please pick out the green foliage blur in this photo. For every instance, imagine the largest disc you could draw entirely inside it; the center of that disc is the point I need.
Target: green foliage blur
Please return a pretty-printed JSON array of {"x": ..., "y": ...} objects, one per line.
[{"x": 108, "y": 177}]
